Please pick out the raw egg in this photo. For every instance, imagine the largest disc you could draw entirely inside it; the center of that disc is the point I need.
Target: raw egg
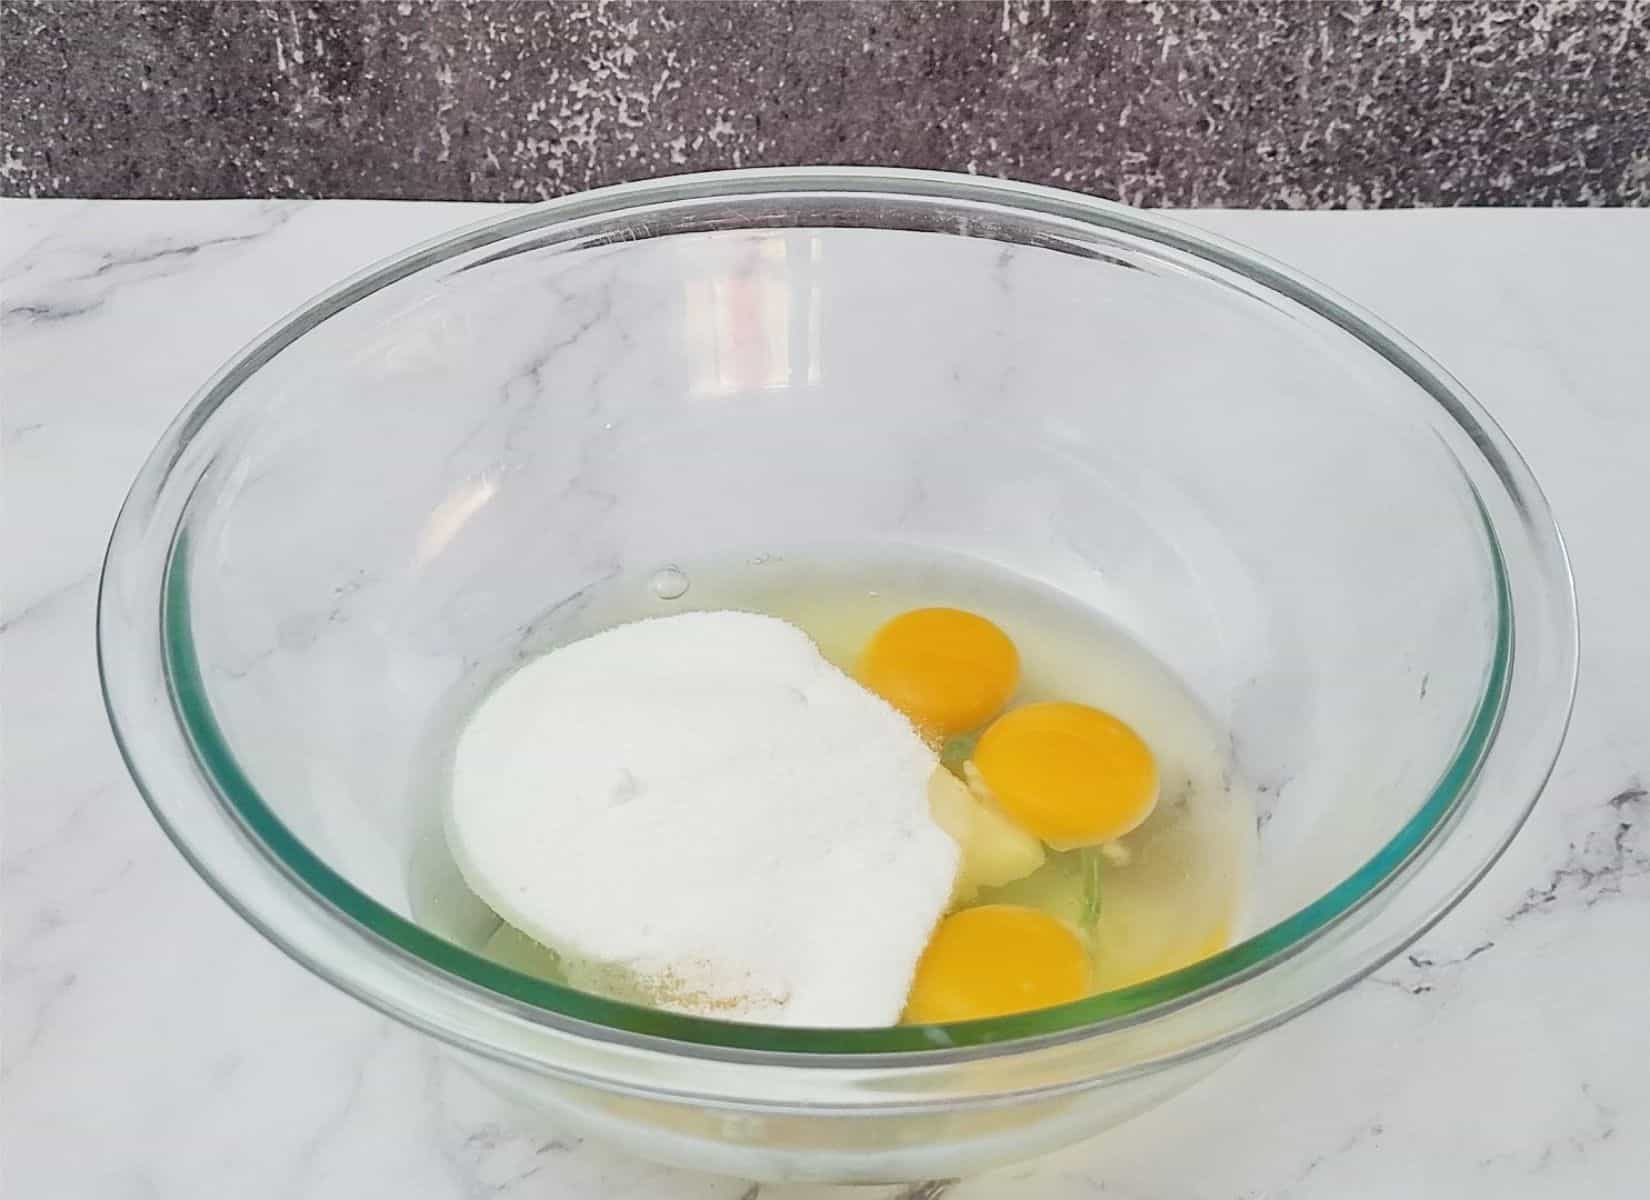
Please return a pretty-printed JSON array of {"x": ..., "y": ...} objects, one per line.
[
  {"x": 995, "y": 851},
  {"x": 1067, "y": 773},
  {"x": 948, "y": 670},
  {"x": 994, "y": 960}
]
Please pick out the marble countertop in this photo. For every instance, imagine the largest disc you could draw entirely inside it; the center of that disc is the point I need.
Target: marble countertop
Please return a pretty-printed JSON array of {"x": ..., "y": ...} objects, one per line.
[{"x": 154, "y": 1046}]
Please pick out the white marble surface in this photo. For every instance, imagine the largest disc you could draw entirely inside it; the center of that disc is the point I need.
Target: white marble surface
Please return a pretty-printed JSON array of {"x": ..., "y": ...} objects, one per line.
[{"x": 154, "y": 1046}]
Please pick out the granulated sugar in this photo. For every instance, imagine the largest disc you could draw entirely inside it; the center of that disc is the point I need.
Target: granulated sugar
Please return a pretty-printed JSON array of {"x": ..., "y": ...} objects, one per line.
[{"x": 703, "y": 805}]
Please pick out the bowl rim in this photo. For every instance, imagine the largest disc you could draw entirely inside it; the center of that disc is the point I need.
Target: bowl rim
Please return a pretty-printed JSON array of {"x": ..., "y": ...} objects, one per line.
[{"x": 441, "y": 963}]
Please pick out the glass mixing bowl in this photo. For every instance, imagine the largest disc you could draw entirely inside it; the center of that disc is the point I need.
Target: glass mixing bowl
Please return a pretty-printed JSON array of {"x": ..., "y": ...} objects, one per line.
[{"x": 1291, "y": 506}]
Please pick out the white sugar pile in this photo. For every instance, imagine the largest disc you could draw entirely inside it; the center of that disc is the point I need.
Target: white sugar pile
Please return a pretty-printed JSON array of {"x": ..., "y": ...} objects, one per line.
[{"x": 702, "y": 804}]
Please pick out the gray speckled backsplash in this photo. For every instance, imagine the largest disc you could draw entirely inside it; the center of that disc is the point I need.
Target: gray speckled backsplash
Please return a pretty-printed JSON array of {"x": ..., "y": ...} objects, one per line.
[{"x": 1271, "y": 103}]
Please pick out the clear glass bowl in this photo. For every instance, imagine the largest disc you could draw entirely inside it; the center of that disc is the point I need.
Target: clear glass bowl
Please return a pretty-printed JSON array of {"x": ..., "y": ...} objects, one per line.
[{"x": 1290, "y": 505}]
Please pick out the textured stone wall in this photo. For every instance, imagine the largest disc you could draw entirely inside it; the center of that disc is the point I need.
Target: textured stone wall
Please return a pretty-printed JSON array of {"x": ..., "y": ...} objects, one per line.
[{"x": 1260, "y": 103}]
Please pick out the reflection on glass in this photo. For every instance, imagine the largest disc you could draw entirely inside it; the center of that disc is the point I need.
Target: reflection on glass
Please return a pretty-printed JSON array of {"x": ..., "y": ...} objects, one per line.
[
  {"x": 448, "y": 517},
  {"x": 758, "y": 327}
]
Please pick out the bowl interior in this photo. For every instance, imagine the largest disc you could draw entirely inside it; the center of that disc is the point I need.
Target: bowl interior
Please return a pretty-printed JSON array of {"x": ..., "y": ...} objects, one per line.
[{"x": 428, "y": 480}]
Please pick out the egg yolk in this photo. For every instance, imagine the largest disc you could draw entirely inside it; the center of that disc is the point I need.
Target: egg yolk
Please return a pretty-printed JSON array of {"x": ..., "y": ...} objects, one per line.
[
  {"x": 1070, "y": 774},
  {"x": 994, "y": 960},
  {"x": 948, "y": 670}
]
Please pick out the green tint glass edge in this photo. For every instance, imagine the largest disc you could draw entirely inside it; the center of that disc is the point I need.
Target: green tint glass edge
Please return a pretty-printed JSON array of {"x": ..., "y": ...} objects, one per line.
[{"x": 292, "y": 856}]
